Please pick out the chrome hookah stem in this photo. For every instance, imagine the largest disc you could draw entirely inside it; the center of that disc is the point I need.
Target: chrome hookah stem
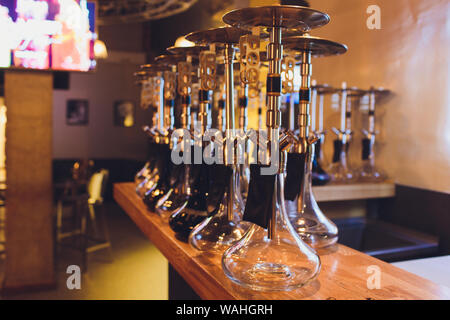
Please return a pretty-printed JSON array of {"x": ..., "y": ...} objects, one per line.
[
  {"x": 305, "y": 97},
  {"x": 186, "y": 113},
  {"x": 313, "y": 110},
  {"x": 304, "y": 121},
  {"x": 169, "y": 119},
  {"x": 185, "y": 102},
  {"x": 185, "y": 119},
  {"x": 273, "y": 120},
  {"x": 321, "y": 98},
  {"x": 229, "y": 111},
  {"x": 291, "y": 113},
  {"x": 243, "y": 120},
  {"x": 320, "y": 130},
  {"x": 229, "y": 78},
  {"x": 160, "y": 102},
  {"x": 203, "y": 103},
  {"x": 372, "y": 111},
  {"x": 343, "y": 112},
  {"x": 203, "y": 115},
  {"x": 243, "y": 109},
  {"x": 348, "y": 115},
  {"x": 169, "y": 103},
  {"x": 371, "y": 133},
  {"x": 221, "y": 106}
]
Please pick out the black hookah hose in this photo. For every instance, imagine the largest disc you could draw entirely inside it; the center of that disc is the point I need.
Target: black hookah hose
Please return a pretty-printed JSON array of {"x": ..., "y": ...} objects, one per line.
[
  {"x": 195, "y": 211},
  {"x": 258, "y": 208},
  {"x": 163, "y": 165}
]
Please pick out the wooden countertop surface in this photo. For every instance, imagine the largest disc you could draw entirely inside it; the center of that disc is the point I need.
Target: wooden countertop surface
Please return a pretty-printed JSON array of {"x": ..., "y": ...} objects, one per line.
[
  {"x": 344, "y": 271},
  {"x": 357, "y": 191}
]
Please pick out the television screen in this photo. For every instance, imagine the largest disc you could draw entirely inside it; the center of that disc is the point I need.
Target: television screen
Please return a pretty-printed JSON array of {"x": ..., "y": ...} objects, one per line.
[{"x": 47, "y": 34}]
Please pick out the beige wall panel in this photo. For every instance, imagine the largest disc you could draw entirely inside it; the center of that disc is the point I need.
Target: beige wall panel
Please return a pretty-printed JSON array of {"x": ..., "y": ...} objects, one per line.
[
  {"x": 29, "y": 248},
  {"x": 410, "y": 56}
]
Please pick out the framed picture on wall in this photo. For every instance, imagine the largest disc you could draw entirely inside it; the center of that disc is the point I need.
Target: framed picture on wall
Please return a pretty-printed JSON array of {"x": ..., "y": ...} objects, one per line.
[
  {"x": 77, "y": 113},
  {"x": 124, "y": 113}
]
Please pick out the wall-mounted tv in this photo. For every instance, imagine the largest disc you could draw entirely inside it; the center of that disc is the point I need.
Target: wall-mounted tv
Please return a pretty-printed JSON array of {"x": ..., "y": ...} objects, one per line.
[{"x": 47, "y": 34}]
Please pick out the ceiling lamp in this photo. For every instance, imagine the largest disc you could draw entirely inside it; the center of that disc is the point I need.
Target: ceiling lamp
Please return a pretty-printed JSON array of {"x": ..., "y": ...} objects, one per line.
[
  {"x": 183, "y": 42},
  {"x": 100, "y": 50}
]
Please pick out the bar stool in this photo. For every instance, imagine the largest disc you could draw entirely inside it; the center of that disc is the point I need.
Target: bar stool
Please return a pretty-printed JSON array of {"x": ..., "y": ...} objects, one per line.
[
  {"x": 74, "y": 194},
  {"x": 95, "y": 204},
  {"x": 86, "y": 207}
]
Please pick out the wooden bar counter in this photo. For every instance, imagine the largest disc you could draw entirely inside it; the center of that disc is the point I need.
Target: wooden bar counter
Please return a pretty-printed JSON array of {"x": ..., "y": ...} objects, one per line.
[{"x": 344, "y": 275}]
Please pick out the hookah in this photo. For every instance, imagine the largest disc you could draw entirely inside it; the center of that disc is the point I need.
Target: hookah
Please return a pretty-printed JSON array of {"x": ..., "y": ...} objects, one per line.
[
  {"x": 368, "y": 171},
  {"x": 178, "y": 198},
  {"x": 249, "y": 63},
  {"x": 271, "y": 255},
  {"x": 223, "y": 227},
  {"x": 170, "y": 176},
  {"x": 181, "y": 62},
  {"x": 340, "y": 170},
  {"x": 242, "y": 152},
  {"x": 304, "y": 213},
  {"x": 148, "y": 177},
  {"x": 319, "y": 176},
  {"x": 143, "y": 81},
  {"x": 162, "y": 167},
  {"x": 194, "y": 204}
]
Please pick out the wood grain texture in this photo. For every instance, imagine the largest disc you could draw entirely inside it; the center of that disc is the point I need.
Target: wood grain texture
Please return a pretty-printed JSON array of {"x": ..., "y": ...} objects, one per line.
[
  {"x": 29, "y": 236},
  {"x": 343, "y": 276},
  {"x": 354, "y": 191}
]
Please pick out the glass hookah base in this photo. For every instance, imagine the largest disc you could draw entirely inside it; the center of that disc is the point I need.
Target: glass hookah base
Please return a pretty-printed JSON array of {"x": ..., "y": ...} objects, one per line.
[
  {"x": 314, "y": 233},
  {"x": 171, "y": 205},
  {"x": 216, "y": 234},
  {"x": 277, "y": 269},
  {"x": 268, "y": 276},
  {"x": 340, "y": 174},
  {"x": 183, "y": 223},
  {"x": 371, "y": 176},
  {"x": 145, "y": 188}
]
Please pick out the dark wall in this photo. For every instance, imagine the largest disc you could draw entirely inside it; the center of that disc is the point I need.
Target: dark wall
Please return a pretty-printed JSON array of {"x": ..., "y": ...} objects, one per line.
[
  {"x": 421, "y": 210},
  {"x": 120, "y": 170},
  {"x": 164, "y": 32},
  {"x": 123, "y": 37}
]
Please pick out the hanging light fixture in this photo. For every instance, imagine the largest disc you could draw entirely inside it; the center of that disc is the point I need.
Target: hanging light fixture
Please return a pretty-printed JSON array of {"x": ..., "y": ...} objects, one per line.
[
  {"x": 183, "y": 42},
  {"x": 100, "y": 50}
]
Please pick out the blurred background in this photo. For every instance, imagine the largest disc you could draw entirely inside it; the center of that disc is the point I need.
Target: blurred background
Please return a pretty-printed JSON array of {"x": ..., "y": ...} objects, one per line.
[{"x": 408, "y": 55}]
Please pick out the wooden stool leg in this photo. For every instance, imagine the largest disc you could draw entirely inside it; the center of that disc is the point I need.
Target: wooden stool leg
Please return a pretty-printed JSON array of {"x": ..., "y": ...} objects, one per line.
[
  {"x": 83, "y": 236},
  {"x": 93, "y": 218},
  {"x": 106, "y": 231}
]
